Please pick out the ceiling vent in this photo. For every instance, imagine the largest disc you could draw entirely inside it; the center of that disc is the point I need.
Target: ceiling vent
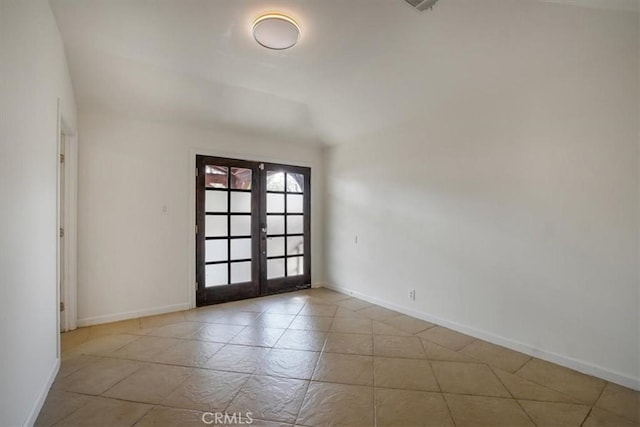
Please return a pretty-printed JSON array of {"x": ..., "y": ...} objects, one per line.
[{"x": 422, "y": 5}]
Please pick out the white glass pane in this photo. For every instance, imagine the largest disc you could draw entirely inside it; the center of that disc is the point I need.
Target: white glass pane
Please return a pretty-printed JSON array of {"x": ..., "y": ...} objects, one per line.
[
  {"x": 215, "y": 201},
  {"x": 240, "y": 202},
  {"x": 275, "y": 181},
  {"x": 295, "y": 245},
  {"x": 295, "y": 266},
  {"x": 275, "y": 268},
  {"x": 241, "y": 225},
  {"x": 275, "y": 246},
  {"x": 295, "y": 182},
  {"x": 294, "y": 203},
  {"x": 240, "y": 272},
  {"x": 275, "y": 224},
  {"x": 275, "y": 203},
  {"x": 216, "y": 275},
  {"x": 241, "y": 249},
  {"x": 215, "y": 225},
  {"x": 215, "y": 250},
  {"x": 295, "y": 224}
]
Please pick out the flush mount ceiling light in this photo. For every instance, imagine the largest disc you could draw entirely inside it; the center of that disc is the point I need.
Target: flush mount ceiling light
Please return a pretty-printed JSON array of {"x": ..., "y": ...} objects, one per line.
[{"x": 276, "y": 31}]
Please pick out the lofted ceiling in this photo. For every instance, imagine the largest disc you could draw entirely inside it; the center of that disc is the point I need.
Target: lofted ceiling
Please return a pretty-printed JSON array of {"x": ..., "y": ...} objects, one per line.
[{"x": 360, "y": 65}]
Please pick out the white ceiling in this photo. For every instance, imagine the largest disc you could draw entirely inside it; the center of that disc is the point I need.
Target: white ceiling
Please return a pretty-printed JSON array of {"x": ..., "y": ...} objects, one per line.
[{"x": 361, "y": 65}]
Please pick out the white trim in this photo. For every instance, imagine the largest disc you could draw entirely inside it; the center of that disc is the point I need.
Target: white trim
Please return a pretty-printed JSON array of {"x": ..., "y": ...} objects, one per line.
[
  {"x": 193, "y": 152},
  {"x": 42, "y": 397},
  {"x": 59, "y": 284},
  {"x": 71, "y": 232},
  {"x": 107, "y": 318},
  {"x": 566, "y": 361}
]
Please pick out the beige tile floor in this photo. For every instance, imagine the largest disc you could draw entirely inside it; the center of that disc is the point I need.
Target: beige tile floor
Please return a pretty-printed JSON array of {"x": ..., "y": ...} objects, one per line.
[{"x": 315, "y": 358}]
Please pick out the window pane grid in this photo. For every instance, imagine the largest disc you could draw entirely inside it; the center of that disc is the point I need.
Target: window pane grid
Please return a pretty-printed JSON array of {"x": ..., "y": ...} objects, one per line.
[
  {"x": 286, "y": 235},
  {"x": 228, "y": 197}
]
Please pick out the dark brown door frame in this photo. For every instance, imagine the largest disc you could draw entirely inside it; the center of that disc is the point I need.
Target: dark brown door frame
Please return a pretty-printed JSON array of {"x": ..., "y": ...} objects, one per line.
[
  {"x": 259, "y": 284},
  {"x": 229, "y": 292}
]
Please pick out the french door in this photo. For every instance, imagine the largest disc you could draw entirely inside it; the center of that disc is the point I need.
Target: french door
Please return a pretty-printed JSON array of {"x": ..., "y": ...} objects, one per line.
[{"x": 252, "y": 229}]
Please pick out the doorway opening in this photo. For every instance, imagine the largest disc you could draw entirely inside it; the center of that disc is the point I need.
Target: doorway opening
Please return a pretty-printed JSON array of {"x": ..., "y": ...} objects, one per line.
[{"x": 252, "y": 229}]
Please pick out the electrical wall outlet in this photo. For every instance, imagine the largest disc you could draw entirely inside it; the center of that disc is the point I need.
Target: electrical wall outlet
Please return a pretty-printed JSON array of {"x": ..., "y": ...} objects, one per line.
[{"x": 412, "y": 294}]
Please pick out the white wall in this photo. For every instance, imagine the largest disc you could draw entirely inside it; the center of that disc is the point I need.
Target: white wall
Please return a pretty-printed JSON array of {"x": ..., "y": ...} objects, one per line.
[
  {"x": 511, "y": 203},
  {"x": 132, "y": 260},
  {"x": 33, "y": 75}
]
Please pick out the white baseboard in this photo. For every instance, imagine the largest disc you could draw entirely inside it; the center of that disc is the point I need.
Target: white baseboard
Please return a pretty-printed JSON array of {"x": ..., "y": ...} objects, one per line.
[
  {"x": 107, "y": 318},
  {"x": 42, "y": 397},
  {"x": 566, "y": 361}
]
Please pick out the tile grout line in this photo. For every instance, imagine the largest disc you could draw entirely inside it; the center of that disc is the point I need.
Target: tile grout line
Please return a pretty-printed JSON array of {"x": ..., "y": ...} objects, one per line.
[
  {"x": 465, "y": 346},
  {"x": 249, "y": 376},
  {"x": 143, "y": 415},
  {"x": 375, "y": 406},
  {"x": 327, "y": 382},
  {"x": 594, "y": 405},
  {"x": 511, "y": 394},
  {"x": 121, "y": 380},
  {"x": 72, "y": 412},
  {"x": 439, "y": 386},
  {"x": 595, "y": 402},
  {"x": 479, "y": 361},
  {"x": 193, "y": 372},
  {"x": 580, "y": 401},
  {"x": 587, "y": 416},
  {"x": 314, "y": 370},
  {"x": 530, "y": 358}
]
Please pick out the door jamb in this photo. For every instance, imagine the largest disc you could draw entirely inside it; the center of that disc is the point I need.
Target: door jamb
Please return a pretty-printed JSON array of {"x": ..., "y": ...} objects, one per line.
[{"x": 67, "y": 290}]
